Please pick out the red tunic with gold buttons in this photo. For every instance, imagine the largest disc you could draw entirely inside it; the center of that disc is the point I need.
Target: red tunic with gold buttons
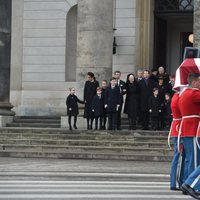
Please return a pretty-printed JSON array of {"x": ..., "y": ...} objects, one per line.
[
  {"x": 176, "y": 116},
  {"x": 189, "y": 104}
]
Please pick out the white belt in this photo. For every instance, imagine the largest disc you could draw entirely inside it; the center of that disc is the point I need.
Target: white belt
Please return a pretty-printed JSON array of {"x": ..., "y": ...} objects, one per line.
[
  {"x": 191, "y": 116},
  {"x": 169, "y": 135},
  {"x": 177, "y": 119},
  {"x": 185, "y": 117}
]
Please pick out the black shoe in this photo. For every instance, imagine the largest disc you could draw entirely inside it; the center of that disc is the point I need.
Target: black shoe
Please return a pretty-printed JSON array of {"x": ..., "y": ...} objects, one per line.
[
  {"x": 70, "y": 128},
  {"x": 190, "y": 191},
  {"x": 75, "y": 127},
  {"x": 175, "y": 189}
]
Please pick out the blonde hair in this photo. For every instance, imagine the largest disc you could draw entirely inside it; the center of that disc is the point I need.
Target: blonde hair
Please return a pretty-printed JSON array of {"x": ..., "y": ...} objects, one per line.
[{"x": 70, "y": 89}]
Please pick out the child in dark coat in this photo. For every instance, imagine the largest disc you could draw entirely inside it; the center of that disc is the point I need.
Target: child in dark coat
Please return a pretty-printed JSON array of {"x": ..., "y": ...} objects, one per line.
[
  {"x": 72, "y": 107},
  {"x": 167, "y": 111},
  {"x": 98, "y": 108},
  {"x": 112, "y": 103},
  {"x": 154, "y": 109}
]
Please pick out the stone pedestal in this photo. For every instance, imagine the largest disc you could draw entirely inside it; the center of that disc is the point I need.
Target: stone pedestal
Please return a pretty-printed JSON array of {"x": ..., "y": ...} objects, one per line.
[
  {"x": 5, "y": 119},
  {"x": 5, "y": 49},
  {"x": 94, "y": 39},
  {"x": 196, "y": 23}
]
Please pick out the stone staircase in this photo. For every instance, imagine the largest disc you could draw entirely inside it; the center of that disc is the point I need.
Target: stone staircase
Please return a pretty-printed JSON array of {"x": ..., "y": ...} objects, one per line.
[{"x": 62, "y": 143}]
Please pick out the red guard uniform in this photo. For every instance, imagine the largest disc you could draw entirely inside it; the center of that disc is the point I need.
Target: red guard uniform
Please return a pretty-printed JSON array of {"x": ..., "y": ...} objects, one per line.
[
  {"x": 176, "y": 116},
  {"x": 189, "y": 104}
]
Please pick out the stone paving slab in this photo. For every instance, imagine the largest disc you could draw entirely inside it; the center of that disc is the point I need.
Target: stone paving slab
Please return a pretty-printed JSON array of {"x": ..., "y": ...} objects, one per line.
[{"x": 68, "y": 165}]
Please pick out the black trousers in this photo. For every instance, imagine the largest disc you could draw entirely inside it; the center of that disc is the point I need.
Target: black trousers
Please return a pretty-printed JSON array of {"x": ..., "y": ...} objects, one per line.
[
  {"x": 98, "y": 120},
  {"x": 70, "y": 119},
  {"x": 155, "y": 123},
  {"x": 145, "y": 119},
  {"x": 112, "y": 121},
  {"x": 132, "y": 122},
  {"x": 119, "y": 117}
]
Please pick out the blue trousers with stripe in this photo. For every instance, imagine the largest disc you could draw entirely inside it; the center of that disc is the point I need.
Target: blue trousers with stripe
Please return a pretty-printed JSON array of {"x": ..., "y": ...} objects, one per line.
[
  {"x": 194, "y": 179},
  {"x": 192, "y": 156},
  {"x": 176, "y": 174}
]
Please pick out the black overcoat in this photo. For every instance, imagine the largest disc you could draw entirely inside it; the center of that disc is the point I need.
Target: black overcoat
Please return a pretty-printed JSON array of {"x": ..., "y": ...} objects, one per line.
[
  {"x": 112, "y": 98},
  {"x": 131, "y": 102},
  {"x": 122, "y": 86},
  {"x": 155, "y": 106},
  {"x": 167, "y": 112},
  {"x": 72, "y": 102},
  {"x": 98, "y": 106},
  {"x": 145, "y": 91},
  {"x": 89, "y": 93}
]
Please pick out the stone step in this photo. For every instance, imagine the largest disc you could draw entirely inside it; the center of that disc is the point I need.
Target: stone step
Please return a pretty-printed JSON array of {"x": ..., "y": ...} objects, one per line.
[
  {"x": 36, "y": 124},
  {"x": 38, "y": 117},
  {"x": 79, "y": 136},
  {"x": 106, "y": 143},
  {"x": 51, "y": 121},
  {"x": 86, "y": 155},
  {"x": 82, "y": 132},
  {"x": 86, "y": 149}
]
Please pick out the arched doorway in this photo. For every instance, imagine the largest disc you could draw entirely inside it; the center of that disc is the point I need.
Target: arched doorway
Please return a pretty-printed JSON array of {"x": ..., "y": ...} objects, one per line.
[{"x": 173, "y": 22}]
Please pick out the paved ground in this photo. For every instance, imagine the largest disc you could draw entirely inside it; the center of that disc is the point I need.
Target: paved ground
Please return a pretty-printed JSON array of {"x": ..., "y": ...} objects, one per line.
[
  {"x": 26, "y": 164},
  {"x": 84, "y": 180}
]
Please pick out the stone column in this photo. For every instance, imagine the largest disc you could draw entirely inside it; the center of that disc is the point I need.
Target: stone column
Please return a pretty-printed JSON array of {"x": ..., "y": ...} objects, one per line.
[
  {"x": 94, "y": 39},
  {"x": 5, "y": 47},
  {"x": 196, "y": 23},
  {"x": 144, "y": 33}
]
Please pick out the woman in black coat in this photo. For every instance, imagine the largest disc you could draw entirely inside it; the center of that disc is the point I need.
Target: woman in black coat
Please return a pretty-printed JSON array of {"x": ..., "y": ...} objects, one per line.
[
  {"x": 72, "y": 107},
  {"x": 89, "y": 92},
  {"x": 131, "y": 103}
]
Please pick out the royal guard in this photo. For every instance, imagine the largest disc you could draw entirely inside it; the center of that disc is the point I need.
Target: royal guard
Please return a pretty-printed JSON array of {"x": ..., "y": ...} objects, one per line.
[
  {"x": 189, "y": 104},
  {"x": 192, "y": 184},
  {"x": 176, "y": 174}
]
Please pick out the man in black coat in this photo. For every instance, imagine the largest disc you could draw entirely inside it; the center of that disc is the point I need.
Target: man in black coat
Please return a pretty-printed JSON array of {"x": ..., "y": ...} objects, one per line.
[
  {"x": 146, "y": 86},
  {"x": 112, "y": 103},
  {"x": 122, "y": 86}
]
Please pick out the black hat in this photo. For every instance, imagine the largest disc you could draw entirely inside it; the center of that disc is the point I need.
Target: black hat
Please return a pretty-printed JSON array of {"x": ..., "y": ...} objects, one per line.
[{"x": 154, "y": 70}]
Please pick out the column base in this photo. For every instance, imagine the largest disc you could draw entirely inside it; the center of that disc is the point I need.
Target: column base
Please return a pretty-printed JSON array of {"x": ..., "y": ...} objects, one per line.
[{"x": 5, "y": 109}]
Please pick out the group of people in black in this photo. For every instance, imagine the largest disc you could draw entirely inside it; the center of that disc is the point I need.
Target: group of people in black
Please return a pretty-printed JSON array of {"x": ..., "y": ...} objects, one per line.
[{"x": 147, "y": 101}]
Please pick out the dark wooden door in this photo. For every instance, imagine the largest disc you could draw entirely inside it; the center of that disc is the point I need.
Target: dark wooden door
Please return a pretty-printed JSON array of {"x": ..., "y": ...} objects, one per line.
[{"x": 160, "y": 42}]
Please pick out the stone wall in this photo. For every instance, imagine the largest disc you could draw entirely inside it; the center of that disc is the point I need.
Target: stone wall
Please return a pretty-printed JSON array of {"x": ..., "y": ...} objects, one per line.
[
  {"x": 43, "y": 87},
  {"x": 125, "y": 23},
  {"x": 38, "y": 71}
]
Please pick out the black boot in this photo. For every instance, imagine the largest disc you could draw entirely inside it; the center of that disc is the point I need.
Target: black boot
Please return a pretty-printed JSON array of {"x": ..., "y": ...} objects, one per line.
[
  {"x": 75, "y": 127},
  {"x": 133, "y": 124},
  {"x": 70, "y": 128}
]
